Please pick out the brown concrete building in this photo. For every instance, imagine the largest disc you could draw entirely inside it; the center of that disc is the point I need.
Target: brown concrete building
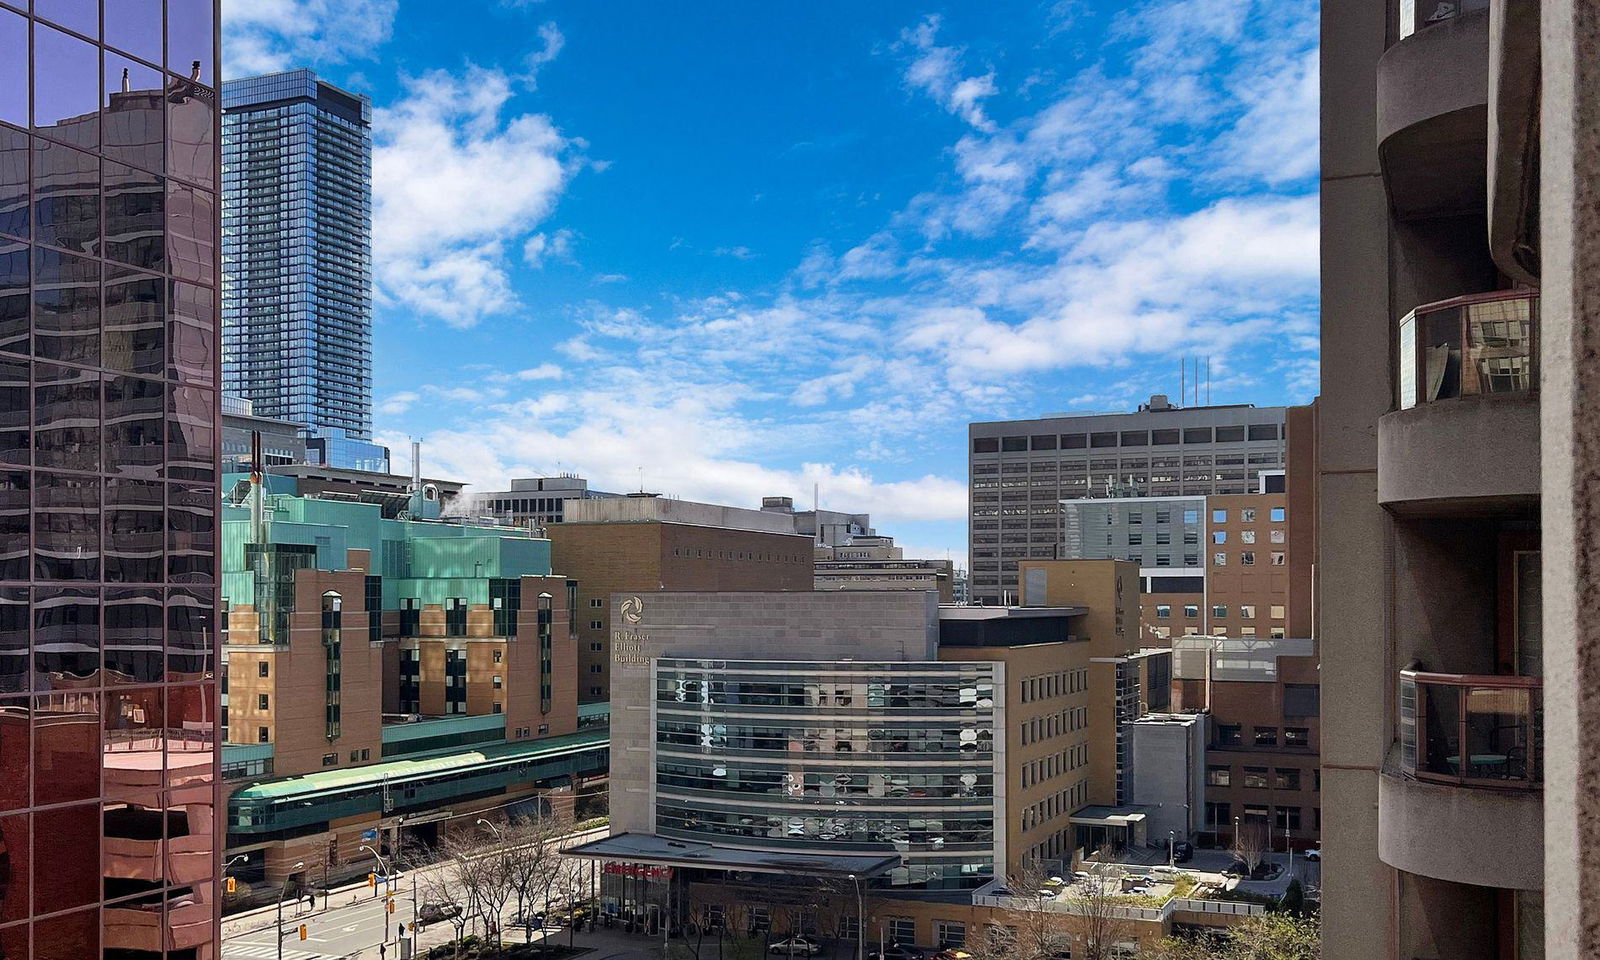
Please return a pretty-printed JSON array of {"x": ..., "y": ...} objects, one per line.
[
  {"x": 1457, "y": 155},
  {"x": 638, "y": 545},
  {"x": 873, "y": 562}
]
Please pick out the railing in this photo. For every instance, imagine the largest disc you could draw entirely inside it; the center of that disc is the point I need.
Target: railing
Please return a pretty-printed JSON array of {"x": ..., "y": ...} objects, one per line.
[
  {"x": 1473, "y": 730},
  {"x": 1469, "y": 346}
]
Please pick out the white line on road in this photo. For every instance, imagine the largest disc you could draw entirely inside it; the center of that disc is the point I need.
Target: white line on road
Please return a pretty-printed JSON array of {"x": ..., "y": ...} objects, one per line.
[{"x": 263, "y": 951}]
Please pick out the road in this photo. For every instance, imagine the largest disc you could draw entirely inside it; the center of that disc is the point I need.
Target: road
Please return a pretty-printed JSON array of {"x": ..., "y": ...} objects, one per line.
[{"x": 353, "y": 925}]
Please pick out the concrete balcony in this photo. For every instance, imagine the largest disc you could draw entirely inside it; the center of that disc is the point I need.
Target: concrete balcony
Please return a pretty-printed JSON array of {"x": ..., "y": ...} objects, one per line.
[
  {"x": 1463, "y": 801},
  {"x": 1432, "y": 123},
  {"x": 1465, "y": 437}
]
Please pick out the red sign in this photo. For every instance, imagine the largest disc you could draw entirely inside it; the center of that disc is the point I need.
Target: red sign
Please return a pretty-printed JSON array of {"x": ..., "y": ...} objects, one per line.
[{"x": 638, "y": 871}]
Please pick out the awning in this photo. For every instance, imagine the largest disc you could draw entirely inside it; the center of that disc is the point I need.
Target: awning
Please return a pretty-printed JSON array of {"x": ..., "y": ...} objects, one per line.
[
  {"x": 1109, "y": 816},
  {"x": 648, "y": 848}
]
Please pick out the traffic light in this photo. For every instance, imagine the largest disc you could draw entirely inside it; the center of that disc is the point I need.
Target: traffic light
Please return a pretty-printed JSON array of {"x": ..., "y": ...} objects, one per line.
[
  {"x": 391, "y": 906},
  {"x": 372, "y": 880},
  {"x": 232, "y": 886},
  {"x": 302, "y": 931}
]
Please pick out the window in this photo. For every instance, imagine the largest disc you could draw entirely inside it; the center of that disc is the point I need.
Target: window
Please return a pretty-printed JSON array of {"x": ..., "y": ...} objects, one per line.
[
  {"x": 1247, "y": 631},
  {"x": 330, "y": 759},
  {"x": 355, "y": 756},
  {"x": 1247, "y": 514},
  {"x": 1219, "y": 610},
  {"x": 1247, "y": 536},
  {"x": 1219, "y": 536},
  {"x": 1013, "y": 444},
  {"x": 902, "y": 930},
  {"x": 497, "y": 707},
  {"x": 597, "y": 624},
  {"x": 1247, "y": 558},
  {"x": 951, "y": 934},
  {"x": 1247, "y": 611},
  {"x": 596, "y": 668},
  {"x": 1135, "y": 539},
  {"x": 1255, "y": 778},
  {"x": 1266, "y": 736},
  {"x": 849, "y": 927},
  {"x": 1219, "y": 814},
  {"x": 1218, "y": 776},
  {"x": 1191, "y": 611},
  {"x": 1163, "y": 611},
  {"x": 1191, "y": 517},
  {"x": 1288, "y": 818},
  {"x": 1219, "y": 559},
  {"x": 1046, "y": 441},
  {"x": 1136, "y": 517},
  {"x": 1302, "y": 700},
  {"x": 1230, "y": 734},
  {"x": 1277, "y": 558},
  {"x": 985, "y": 445},
  {"x": 1277, "y": 611},
  {"x": 263, "y": 669},
  {"x": 1286, "y": 778},
  {"x": 1296, "y": 736},
  {"x": 263, "y": 735},
  {"x": 261, "y": 701},
  {"x": 1277, "y": 514},
  {"x": 1163, "y": 537},
  {"x": 1219, "y": 516},
  {"x": 597, "y": 602},
  {"x": 1191, "y": 537},
  {"x": 1276, "y": 536},
  {"x": 1163, "y": 516},
  {"x": 1277, "y": 633},
  {"x": 498, "y": 683}
]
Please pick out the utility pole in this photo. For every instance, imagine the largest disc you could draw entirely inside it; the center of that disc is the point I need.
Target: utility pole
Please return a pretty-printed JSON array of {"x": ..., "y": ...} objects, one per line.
[{"x": 283, "y": 891}]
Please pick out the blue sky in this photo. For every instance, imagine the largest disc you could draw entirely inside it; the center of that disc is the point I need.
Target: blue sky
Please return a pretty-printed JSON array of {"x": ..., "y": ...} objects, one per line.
[{"x": 752, "y": 247}]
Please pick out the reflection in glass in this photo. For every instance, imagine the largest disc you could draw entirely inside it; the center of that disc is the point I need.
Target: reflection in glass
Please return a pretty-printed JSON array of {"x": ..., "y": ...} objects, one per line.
[
  {"x": 189, "y": 38},
  {"x": 66, "y": 522},
  {"x": 66, "y": 88},
  {"x": 16, "y": 423},
  {"x": 135, "y": 333},
  {"x": 66, "y": 882},
  {"x": 135, "y": 531},
  {"x": 14, "y": 521},
  {"x": 191, "y": 337},
  {"x": 13, "y": 70},
  {"x": 80, "y": 15},
  {"x": 66, "y": 635},
  {"x": 66, "y": 197},
  {"x": 189, "y": 640},
  {"x": 191, "y": 520},
  {"x": 191, "y": 434},
  {"x": 135, "y": 216},
  {"x": 66, "y": 747},
  {"x": 14, "y": 850},
  {"x": 14, "y": 326},
  {"x": 13, "y": 173},
  {"x": 66, "y": 417},
  {"x": 133, "y": 635},
  {"x": 14, "y": 669},
  {"x": 134, "y": 26},
  {"x": 132, "y": 117},
  {"x": 133, "y": 426},
  {"x": 192, "y": 141},
  {"x": 191, "y": 225},
  {"x": 66, "y": 307},
  {"x": 70, "y": 937}
]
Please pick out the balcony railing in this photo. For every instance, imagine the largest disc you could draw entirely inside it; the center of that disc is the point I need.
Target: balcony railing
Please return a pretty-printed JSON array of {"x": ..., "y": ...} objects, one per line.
[
  {"x": 1420, "y": 14},
  {"x": 1469, "y": 346},
  {"x": 1474, "y": 730}
]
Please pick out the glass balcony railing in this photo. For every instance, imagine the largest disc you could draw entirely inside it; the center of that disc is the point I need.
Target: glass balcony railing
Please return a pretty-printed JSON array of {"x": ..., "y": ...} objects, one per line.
[
  {"x": 1469, "y": 346},
  {"x": 1474, "y": 730}
]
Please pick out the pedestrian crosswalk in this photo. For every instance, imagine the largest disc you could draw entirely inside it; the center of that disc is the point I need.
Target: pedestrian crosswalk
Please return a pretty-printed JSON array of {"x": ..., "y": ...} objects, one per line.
[{"x": 263, "y": 951}]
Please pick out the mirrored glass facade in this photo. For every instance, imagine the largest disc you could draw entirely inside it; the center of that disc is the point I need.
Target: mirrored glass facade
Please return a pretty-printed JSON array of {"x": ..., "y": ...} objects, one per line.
[
  {"x": 108, "y": 479},
  {"x": 297, "y": 254},
  {"x": 838, "y": 757}
]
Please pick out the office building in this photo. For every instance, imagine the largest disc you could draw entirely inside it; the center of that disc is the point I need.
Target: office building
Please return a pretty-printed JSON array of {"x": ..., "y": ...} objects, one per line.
[
  {"x": 536, "y": 500},
  {"x": 828, "y": 528},
  {"x": 644, "y": 543},
  {"x": 875, "y": 563},
  {"x": 1450, "y": 170},
  {"x": 282, "y": 441},
  {"x": 358, "y": 644},
  {"x": 108, "y": 481},
  {"x": 297, "y": 259},
  {"x": 1021, "y": 470}
]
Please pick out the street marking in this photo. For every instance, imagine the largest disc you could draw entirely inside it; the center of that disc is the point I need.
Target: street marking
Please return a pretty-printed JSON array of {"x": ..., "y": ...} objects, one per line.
[{"x": 264, "y": 951}]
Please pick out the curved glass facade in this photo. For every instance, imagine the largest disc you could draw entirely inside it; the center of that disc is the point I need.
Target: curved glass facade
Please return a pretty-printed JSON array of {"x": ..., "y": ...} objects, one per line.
[{"x": 839, "y": 757}]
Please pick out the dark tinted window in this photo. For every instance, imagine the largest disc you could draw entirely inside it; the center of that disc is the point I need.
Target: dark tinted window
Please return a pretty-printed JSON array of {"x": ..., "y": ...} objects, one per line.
[
  {"x": 1162, "y": 438},
  {"x": 1263, "y": 431},
  {"x": 1135, "y": 438},
  {"x": 13, "y": 176},
  {"x": 1197, "y": 435},
  {"x": 985, "y": 445},
  {"x": 1045, "y": 441},
  {"x": 1230, "y": 434},
  {"x": 1013, "y": 444},
  {"x": 1108, "y": 439},
  {"x": 1301, "y": 700},
  {"x": 1074, "y": 441}
]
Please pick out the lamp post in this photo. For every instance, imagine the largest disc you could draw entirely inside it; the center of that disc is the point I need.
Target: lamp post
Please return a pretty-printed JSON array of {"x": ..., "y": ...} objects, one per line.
[
  {"x": 283, "y": 891},
  {"x": 384, "y": 867},
  {"x": 1172, "y": 848},
  {"x": 492, "y": 828},
  {"x": 861, "y": 919}
]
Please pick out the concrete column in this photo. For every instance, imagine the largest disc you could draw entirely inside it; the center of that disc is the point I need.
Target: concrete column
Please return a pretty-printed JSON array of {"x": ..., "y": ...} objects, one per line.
[{"x": 1570, "y": 426}]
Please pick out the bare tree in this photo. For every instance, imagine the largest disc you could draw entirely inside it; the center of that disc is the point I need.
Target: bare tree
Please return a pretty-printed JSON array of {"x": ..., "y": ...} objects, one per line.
[
  {"x": 1041, "y": 928},
  {"x": 454, "y": 879},
  {"x": 1096, "y": 901},
  {"x": 1250, "y": 844},
  {"x": 532, "y": 864}
]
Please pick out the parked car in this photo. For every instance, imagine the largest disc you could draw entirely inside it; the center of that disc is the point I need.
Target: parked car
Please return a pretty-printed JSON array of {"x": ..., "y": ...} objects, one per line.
[
  {"x": 1182, "y": 851},
  {"x": 952, "y": 954},
  {"x": 532, "y": 919},
  {"x": 1315, "y": 853},
  {"x": 796, "y": 947},
  {"x": 434, "y": 911},
  {"x": 895, "y": 951}
]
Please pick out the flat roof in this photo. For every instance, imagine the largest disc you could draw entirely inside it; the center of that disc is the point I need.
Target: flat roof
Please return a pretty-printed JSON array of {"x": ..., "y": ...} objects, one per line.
[
  {"x": 664, "y": 851},
  {"x": 1109, "y": 816}
]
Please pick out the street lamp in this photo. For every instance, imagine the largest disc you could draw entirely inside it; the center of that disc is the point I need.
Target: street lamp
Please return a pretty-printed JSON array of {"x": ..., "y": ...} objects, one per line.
[
  {"x": 386, "y": 882},
  {"x": 1172, "y": 848},
  {"x": 492, "y": 828},
  {"x": 283, "y": 892},
  {"x": 861, "y": 919}
]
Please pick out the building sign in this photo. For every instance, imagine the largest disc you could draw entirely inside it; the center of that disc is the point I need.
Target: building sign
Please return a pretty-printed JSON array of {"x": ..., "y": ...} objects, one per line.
[
  {"x": 627, "y": 647},
  {"x": 633, "y": 609},
  {"x": 638, "y": 871}
]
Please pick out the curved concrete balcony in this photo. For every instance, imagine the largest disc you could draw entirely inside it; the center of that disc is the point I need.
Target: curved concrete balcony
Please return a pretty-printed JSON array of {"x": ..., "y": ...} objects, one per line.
[
  {"x": 1465, "y": 801},
  {"x": 1465, "y": 436},
  {"x": 1432, "y": 114}
]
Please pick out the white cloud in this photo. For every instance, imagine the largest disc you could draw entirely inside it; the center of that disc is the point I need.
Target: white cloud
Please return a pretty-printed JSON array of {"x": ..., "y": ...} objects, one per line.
[
  {"x": 455, "y": 181},
  {"x": 262, "y": 36},
  {"x": 544, "y": 371},
  {"x": 398, "y": 403},
  {"x": 1278, "y": 139},
  {"x": 556, "y": 245},
  {"x": 936, "y": 71},
  {"x": 738, "y": 253}
]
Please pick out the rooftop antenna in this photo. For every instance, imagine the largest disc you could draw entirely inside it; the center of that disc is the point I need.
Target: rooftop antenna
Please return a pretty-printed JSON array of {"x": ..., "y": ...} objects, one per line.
[{"x": 1183, "y": 380}]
